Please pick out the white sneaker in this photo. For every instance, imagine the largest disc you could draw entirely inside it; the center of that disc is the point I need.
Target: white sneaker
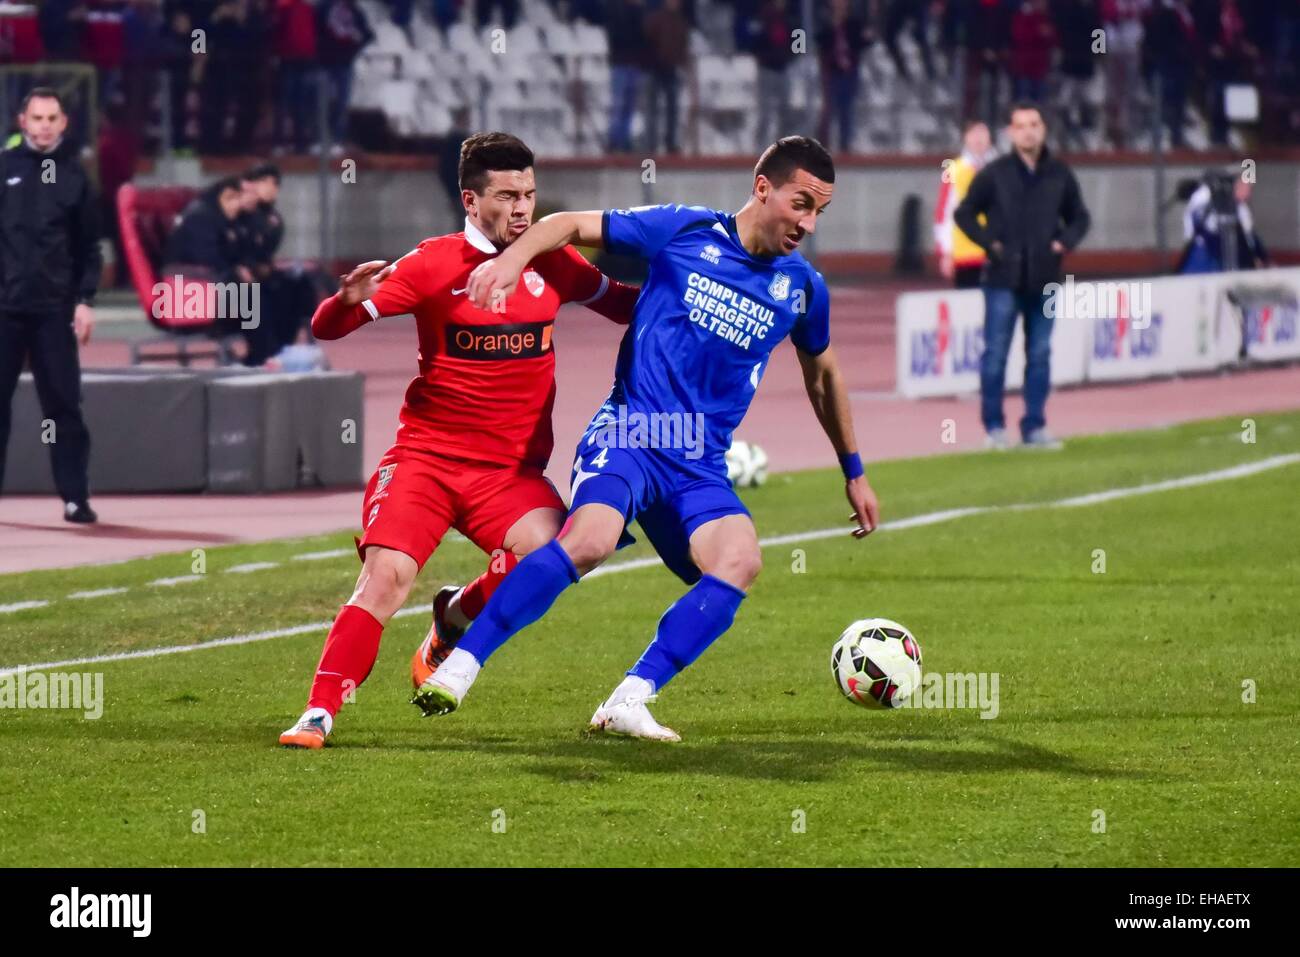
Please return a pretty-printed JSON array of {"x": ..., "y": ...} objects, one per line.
[
  {"x": 997, "y": 440},
  {"x": 444, "y": 690},
  {"x": 625, "y": 713},
  {"x": 1041, "y": 439}
]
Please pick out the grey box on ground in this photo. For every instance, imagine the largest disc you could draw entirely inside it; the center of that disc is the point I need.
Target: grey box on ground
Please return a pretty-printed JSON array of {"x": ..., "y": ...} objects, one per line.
[
  {"x": 282, "y": 431},
  {"x": 219, "y": 430},
  {"x": 147, "y": 434}
]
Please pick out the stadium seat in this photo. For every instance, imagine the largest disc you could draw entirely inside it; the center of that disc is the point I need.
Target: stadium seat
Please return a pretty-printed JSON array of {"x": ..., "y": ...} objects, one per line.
[{"x": 146, "y": 218}]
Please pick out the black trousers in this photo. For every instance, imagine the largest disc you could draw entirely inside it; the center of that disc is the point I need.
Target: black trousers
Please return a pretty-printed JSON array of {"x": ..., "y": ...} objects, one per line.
[{"x": 48, "y": 342}]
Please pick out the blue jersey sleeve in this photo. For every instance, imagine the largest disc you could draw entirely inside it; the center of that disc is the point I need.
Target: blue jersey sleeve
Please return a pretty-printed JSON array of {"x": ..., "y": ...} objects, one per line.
[
  {"x": 811, "y": 332},
  {"x": 644, "y": 230}
]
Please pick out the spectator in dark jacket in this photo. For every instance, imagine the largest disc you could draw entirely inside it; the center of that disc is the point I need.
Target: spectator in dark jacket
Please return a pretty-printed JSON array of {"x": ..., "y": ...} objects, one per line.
[
  {"x": 143, "y": 29},
  {"x": 288, "y": 295},
  {"x": 1169, "y": 51},
  {"x": 839, "y": 45},
  {"x": 63, "y": 26},
  {"x": 770, "y": 35},
  {"x": 1229, "y": 54},
  {"x": 342, "y": 32},
  {"x": 986, "y": 25},
  {"x": 1034, "y": 215},
  {"x": 49, "y": 271},
  {"x": 1033, "y": 41},
  {"x": 624, "y": 29},
  {"x": 229, "y": 79},
  {"x": 296, "y": 51},
  {"x": 1076, "y": 22},
  {"x": 668, "y": 38},
  {"x": 180, "y": 63},
  {"x": 206, "y": 242},
  {"x": 208, "y": 245}
]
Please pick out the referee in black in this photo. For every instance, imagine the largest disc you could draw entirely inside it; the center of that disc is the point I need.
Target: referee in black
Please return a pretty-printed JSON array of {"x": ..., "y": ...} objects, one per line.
[{"x": 49, "y": 270}]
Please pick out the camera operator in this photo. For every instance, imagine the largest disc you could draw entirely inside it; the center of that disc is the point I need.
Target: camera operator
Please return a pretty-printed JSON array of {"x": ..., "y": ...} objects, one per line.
[{"x": 1219, "y": 228}]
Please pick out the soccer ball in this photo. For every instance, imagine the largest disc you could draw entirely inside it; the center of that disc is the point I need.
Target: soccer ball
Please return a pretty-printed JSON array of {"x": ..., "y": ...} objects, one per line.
[
  {"x": 757, "y": 464},
  {"x": 876, "y": 663},
  {"x": 746, "y": 464}
]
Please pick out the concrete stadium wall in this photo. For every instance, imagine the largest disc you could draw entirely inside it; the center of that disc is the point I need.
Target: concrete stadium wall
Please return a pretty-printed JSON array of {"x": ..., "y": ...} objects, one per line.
[{"x": 387, "y": 210}]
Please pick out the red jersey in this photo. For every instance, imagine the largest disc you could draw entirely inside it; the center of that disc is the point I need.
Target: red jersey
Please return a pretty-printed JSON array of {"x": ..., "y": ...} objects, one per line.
[{"x": 486, "y": 385}]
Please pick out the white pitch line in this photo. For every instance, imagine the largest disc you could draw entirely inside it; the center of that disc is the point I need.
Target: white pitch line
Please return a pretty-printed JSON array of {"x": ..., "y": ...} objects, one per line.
[
  {"x": 1187, "y": 481},
  {"x": 22, "y": 606},
  {"x": 178, "y": 580},
  {"x": 916, "y": 521},
  {"x": 97, "y": 593},
  {"x": 251, "y": 567},
  {"x": 321, "y": 556}
]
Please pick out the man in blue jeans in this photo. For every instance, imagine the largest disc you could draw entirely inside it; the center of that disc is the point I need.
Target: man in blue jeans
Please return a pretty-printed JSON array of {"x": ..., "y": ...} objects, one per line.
[{"x": 1033, "y": 214}]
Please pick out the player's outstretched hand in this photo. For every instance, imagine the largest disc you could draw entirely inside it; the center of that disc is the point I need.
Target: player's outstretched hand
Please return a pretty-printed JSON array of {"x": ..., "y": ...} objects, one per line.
[
  {"x": 866, "y": 510},
  {"x": 493, "y": 280},
  {"x": 363, "y": 281}
]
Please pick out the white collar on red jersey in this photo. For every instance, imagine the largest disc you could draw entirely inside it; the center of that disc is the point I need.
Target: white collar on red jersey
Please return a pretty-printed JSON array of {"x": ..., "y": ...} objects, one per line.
[{"x": 474, "y": 236}]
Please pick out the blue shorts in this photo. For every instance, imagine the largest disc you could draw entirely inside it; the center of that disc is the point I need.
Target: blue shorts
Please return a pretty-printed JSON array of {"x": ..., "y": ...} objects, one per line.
[{"x": 669, "y": 499}]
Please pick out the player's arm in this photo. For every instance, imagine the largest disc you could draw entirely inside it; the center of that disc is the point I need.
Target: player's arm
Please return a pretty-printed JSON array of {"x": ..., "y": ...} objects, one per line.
[
  {"x": 342, "y": 312},
  {"x": 370, "y": 291},
  {"x": 822, "y": 379},
  {"x": 824, "y": 383},
  {"x": 581, "y": 283},
  {"x": 499, "y": 276}
]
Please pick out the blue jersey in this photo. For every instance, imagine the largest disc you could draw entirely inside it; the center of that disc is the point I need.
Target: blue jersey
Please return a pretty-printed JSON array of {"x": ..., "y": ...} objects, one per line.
[{"x": 708, "y": 318}]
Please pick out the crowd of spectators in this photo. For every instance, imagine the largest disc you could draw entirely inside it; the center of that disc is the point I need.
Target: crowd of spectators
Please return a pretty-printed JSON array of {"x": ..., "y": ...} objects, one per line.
[{"x": 265, "y": 60}]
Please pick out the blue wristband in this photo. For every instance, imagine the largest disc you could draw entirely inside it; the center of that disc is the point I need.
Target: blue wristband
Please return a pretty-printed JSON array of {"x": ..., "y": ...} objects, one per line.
[{"x": 851, "y": 465}]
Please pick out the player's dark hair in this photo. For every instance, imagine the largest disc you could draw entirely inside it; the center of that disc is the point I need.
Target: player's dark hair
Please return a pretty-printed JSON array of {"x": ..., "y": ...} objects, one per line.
[
  {"x": 263, "y": 171},
  {"x": 1019, "y": 105},
  {"x": 45, "y": 93},
  {"x": 780, "y": 160},
  {"x": 484, "y": 153}
]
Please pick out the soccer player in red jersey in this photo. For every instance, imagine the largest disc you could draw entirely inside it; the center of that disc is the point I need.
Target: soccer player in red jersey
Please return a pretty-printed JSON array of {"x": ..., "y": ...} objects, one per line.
[{"x": 475, "y": 432}]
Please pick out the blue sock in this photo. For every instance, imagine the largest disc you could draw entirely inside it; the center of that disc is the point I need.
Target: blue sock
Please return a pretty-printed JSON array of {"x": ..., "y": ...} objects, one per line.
[
  {"x": 522, "y": 597},
  {"x": 691, "y": 624}
]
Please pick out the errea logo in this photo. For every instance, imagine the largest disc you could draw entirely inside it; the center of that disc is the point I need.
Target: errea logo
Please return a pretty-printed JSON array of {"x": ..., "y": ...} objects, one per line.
[{"x": 711, "y": 253}]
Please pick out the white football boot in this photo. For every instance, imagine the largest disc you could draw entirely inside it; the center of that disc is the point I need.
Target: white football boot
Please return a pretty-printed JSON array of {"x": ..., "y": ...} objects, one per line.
[
  {"x": 444, "y": 690},
  {"x": 311, "y": 731},
  {"x": 625, "y": 713}
]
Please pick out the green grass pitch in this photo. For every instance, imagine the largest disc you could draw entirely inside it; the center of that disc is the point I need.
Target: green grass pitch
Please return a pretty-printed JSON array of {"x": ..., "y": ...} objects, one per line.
[{"x": 1122, "y": 737}]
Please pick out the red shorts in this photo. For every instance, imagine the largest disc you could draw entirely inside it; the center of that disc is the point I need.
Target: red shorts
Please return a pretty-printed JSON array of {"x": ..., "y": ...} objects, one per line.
[{"x": 414, "y": 497}]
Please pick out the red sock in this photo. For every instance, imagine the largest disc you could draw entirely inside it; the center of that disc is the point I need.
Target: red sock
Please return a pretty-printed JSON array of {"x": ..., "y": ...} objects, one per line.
[
  {"x": 350, "y": 652},
  {"x": 477, "y": 592}
]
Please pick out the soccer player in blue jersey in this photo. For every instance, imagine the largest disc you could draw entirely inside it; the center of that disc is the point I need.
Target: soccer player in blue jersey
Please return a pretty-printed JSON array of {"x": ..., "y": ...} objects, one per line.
[{"x": 722, "y": 292}]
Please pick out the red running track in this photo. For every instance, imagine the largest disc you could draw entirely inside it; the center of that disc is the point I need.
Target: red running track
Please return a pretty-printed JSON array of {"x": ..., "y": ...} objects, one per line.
[{"x": 35, "y": 536}]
